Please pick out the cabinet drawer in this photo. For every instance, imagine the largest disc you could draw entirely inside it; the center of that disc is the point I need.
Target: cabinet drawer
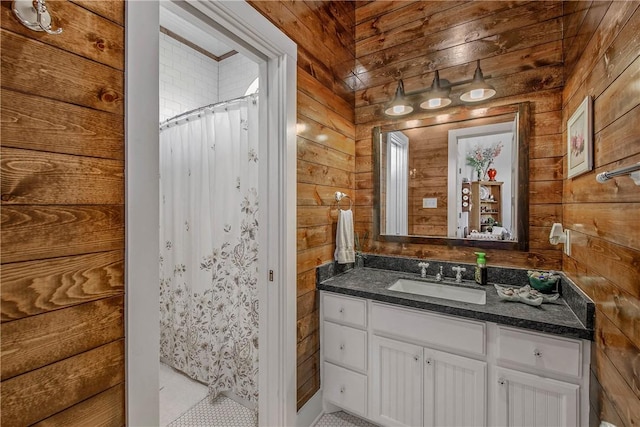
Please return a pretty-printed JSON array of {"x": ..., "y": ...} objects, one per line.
[
  {"x": 345, "y": 346},
  {"x": 542, "y": 352},
  {"x": 345, "y": 388},
  {"x": 429, "y": 329},
  {"x": 344, "y": 310}
]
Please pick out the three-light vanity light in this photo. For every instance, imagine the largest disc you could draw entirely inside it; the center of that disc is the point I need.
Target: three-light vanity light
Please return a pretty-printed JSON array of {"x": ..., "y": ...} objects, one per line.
[{"x": 437, "y": 96}]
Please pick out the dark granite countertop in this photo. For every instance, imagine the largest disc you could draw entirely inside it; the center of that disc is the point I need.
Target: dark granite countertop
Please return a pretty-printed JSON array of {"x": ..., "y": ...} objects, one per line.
[{"x": 555, "y": 318}]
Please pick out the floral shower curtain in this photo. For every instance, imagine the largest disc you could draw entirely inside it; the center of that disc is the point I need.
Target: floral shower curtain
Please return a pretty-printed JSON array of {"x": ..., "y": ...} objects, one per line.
[{"x": 209, "y": 249}]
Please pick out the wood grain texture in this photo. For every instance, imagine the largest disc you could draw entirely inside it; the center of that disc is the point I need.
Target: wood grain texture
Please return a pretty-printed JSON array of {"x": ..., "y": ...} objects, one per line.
[
  {"x": 110, "y": 9},
  {"x": 36, "y": 123},
  {"x": 84, "y": 33},
  {"x": 33, "y": 177},
  {"x": 33, "y": 67},
  {"x": 35, "y": 287},
  {"x": 37, "y": 341},
  {"x": 323, "y": 31},
  {"x": 39, "y": 232},
  {"x": 105, "y": 409},
  {"x": 601, "y": 60},
  {"x": 36, "y": 395},
  {"x": 62, "y": 249}
]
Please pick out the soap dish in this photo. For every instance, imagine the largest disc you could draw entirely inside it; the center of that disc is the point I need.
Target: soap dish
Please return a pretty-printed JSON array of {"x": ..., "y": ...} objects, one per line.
[{"x": 524, "y": 294}]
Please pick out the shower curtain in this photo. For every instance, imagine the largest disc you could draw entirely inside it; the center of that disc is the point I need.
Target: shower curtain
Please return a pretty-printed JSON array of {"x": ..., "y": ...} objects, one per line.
[{"x": 209, "y": 249}]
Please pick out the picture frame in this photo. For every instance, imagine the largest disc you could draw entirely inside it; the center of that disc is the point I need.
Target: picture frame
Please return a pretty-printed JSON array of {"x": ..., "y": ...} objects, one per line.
[{"x": 580, "y": 139}]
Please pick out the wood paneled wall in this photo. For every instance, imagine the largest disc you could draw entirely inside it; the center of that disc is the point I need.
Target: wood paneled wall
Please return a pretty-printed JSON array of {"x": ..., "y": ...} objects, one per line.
[
  {"x": 519, "y": 45},
  {"x": 602, "y": 59},
  {"x": 323, "y": 31},
  {"x": 62, "y": 313}
]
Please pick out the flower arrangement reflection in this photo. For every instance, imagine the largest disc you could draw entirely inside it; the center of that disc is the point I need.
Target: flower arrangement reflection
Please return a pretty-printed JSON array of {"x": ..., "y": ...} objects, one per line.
[{"x": 481, "y": 158}]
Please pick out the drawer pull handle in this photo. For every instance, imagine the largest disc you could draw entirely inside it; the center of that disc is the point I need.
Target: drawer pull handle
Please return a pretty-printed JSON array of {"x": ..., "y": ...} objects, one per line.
[
  {"x": 341, "y": 346},
  {"x": 537, "y": 353},
  {"x": 501, "y": 381},
  {"x": 429, "y": 362},
  {"x": 342, "y": 389}
]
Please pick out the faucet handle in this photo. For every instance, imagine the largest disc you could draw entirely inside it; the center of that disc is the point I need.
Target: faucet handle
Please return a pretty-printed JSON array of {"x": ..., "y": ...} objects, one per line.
[
  {"x": 458, "y": 270},
  {"x": 423, "y": 268}
]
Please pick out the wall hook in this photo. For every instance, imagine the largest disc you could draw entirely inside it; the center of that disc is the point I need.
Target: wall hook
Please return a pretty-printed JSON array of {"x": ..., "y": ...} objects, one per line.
[{"x": 33, "y": 14}]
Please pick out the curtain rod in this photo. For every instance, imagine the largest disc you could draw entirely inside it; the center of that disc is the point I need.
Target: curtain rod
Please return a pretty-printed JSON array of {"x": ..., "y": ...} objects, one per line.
[{"x": 167, "y": 123}]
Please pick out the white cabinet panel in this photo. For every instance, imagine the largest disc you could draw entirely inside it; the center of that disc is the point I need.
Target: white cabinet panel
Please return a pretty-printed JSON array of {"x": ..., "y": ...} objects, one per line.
[
  {"x": 396, "y": 383},
  {"x": 345, "y": 346},
  {"x": 345, "y": 388},
  {"x": 344, "y": 310},
  {"x": 533, "y": 401},
  {"x": 429, "y": 329},
  {"x": 454, "y": 390},
  {"x": 542, "y": 352}
]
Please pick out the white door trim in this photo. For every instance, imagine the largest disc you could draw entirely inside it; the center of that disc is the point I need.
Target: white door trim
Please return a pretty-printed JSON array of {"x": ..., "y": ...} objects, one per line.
[{"x": 239, "y": 22}]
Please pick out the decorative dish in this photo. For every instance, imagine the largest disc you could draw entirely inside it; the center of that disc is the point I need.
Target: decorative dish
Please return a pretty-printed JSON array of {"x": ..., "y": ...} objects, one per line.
[{"x": 484, "y": 192}]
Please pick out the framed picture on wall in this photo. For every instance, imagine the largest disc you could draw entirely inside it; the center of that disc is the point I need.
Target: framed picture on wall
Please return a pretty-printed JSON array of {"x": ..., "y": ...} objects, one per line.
[{"x": 579, "y": 139}]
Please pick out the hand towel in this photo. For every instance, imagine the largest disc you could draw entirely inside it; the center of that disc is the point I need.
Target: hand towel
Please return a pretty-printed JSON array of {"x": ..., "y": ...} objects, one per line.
[{"x": 344, "y": 238}]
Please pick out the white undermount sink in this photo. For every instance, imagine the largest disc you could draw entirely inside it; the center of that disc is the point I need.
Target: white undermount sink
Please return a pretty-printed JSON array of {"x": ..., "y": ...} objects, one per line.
[{"x": 439, "y": 290}]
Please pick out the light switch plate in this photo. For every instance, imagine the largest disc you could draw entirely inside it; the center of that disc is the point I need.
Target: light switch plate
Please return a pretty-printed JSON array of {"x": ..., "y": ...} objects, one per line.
[{"x": 430, "y": 202}]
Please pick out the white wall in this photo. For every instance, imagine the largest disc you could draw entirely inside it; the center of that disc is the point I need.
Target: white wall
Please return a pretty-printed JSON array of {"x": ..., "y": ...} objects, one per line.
[
  {"x": 236, "y": 74},
  {"x": 188, "y": 79}
]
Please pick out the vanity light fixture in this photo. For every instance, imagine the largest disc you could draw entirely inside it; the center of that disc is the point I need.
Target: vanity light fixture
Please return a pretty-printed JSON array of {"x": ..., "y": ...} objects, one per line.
[{"x": 437, "y": 95}]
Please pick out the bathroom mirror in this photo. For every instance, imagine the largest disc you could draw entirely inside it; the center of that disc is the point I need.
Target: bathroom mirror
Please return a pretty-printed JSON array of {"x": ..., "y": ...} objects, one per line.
[{"x": 459, "y": 178}]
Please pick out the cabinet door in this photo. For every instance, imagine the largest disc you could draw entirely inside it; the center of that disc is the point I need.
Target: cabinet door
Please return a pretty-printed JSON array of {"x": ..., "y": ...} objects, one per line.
[
  {"x": 454, "y": 390},
  {"x": 396, "y": 383},
  {"x": 533, "y": 401}
]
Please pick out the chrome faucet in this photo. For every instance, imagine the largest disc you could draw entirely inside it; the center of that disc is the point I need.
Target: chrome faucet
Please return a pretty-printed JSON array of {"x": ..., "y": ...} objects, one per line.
[
  {"x": 458, "y": 270},
  {"x": 439, "y": 276},
  {"x": 423, "y": 268}
]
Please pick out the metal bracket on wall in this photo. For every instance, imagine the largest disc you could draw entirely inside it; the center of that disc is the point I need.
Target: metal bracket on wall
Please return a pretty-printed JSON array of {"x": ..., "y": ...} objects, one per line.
[{"x": 34, "y": 15}]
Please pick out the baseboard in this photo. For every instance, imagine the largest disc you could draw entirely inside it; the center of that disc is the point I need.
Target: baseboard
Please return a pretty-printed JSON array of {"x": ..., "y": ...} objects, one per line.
[{"x": 311, "y": 412}]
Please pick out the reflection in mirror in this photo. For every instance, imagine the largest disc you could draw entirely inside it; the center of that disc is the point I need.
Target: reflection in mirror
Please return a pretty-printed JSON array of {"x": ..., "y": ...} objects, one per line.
[{"x": 459, "y": 181}]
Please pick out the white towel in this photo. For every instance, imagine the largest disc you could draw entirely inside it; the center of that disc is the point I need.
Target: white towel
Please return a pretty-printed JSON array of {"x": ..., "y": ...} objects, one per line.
[{"x": 344, "y": 238}]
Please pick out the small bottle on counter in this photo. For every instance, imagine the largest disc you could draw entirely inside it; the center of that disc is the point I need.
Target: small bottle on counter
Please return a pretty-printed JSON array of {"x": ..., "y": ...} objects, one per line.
[{"x": 481, "y": 268}]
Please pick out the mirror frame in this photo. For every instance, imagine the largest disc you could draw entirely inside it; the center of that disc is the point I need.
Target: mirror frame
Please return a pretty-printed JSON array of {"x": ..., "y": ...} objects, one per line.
[{"x": 463, "y": 114}]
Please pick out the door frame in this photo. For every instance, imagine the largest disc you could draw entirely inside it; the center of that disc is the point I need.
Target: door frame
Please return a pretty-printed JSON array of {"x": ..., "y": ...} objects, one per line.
[{"x": 240, "y": 22}]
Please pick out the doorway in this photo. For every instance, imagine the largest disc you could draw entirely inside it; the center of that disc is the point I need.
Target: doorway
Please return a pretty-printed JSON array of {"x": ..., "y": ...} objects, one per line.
[{"x": 238, "y": 24}]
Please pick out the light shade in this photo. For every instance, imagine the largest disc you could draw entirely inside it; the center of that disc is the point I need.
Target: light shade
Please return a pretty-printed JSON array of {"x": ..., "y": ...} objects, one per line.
[
  {"x": 478, "y": 89},
  {"x": 437, "y": 96},
  {"x": 400, "y": 105}
]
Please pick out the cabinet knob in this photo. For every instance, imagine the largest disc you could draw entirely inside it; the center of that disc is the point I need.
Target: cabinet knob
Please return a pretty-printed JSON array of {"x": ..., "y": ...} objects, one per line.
[
  {"x": 341, "y": 346},
  {"x": 429, "y": 362},
  {"x": 342, "y": 389},
  {"x": 416, "y": 358},
  {"x": 537, "y": 353},
  {"x": 341, "y": 310},
  {"x": 501, "y": 381}
]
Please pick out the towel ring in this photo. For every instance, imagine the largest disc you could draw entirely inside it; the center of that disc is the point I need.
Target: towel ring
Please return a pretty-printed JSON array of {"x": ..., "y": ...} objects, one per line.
[{"x": 339, "y": 196}]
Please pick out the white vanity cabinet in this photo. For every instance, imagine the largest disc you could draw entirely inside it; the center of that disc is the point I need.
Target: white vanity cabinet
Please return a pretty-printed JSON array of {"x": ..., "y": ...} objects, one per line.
[
  {"x": 345, "y": 352},
  {"x": 415, "y": 385},
  {"x": 538, "y": 380},
  {"x": 399, "y": 366}
]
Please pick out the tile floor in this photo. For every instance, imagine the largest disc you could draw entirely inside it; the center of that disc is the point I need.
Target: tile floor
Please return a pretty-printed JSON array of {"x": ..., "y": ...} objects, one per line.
[
  {"x": 178, "y": 393},
  {"x": 184, "y": 403},
  {"x": 342, "y": 419}
]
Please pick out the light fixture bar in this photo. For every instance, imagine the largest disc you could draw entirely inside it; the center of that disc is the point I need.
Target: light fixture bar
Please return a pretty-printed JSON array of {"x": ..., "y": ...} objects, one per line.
[{"x": 437, "y": 95}]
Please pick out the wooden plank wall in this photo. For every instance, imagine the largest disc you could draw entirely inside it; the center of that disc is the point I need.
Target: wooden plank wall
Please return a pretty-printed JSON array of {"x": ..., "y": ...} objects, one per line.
[
  {"x": 602, "y": 58},
  {"x": 520, "y": 45},
  {"x": 323, "y": 31},
  {"x": 62, "y": 294}
]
